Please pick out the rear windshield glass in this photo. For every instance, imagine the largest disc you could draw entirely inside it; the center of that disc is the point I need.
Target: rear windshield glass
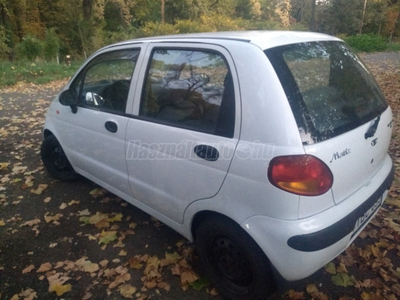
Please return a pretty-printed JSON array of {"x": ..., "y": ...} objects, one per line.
[{"x": 329, "y": 89}]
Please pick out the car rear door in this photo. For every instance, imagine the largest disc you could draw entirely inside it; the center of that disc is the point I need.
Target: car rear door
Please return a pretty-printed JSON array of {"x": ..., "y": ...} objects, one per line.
[{"x": 186, "y": 126}]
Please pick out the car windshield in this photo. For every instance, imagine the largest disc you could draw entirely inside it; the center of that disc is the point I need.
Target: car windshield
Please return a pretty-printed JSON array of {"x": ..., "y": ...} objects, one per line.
[{"x": 329, "y": 89}]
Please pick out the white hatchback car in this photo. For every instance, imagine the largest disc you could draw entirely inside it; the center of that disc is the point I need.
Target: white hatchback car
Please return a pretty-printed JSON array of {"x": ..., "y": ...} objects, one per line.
[{"x": 267, "y": 149}]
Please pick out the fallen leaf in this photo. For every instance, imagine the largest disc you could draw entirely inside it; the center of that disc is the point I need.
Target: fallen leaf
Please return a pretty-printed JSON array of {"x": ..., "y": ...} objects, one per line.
[
  {"x": 60, "y": 289},
  {"x": 343, "y": 279},
  {"x": 127, "y": 291},
  {"x": 330, "y": 268},
  {"x": 107, "y": 237},
  {"x": 170, "y": 259},
  {"x": 28, "y": 294},
  {"x": 200, "y": 283},
  {"x": 53, "y": 219},
  {"x": 311, "y": 288},
  {"x": 4, "y": 166},
  {"x": 72, "y": 202},
  {"x": 2, "y": 223},
  {"x": 189, "y": 276},
  {"x": 165, "y": 286},
  {"x": 44, "y": 267},
  {"x": 28, "y": 269},
  {"x": 293, "y": 295},
  {"x": 119, "y": 280},
  {"x": 31, "y": 223},
  {"x": 135, "y": 263},
  {"x": 40, "y": 189}
]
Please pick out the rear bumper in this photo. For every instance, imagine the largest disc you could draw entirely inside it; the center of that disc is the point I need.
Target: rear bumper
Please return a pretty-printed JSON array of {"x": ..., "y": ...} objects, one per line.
[{"x": 299, "y": 248}]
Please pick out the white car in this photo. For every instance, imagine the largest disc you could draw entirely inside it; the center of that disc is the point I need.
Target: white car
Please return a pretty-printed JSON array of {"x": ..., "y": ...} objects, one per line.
[{"x": 268, "y": 149}]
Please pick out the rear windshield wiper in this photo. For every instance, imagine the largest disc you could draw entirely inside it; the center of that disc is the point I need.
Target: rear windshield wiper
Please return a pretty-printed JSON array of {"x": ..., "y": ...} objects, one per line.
[{"x": 371, "y": 131}]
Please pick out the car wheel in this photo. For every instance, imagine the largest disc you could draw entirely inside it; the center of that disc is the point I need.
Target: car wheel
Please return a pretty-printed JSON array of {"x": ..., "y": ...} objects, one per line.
[
  {"x": 235, "y": 264},
  {"x": 55, "y": 160}
]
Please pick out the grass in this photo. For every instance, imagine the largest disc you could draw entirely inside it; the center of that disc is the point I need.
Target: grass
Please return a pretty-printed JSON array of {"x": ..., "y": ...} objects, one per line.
[
  {"x": 393, "y": 47},
  {"x": 38, "y": 73}
]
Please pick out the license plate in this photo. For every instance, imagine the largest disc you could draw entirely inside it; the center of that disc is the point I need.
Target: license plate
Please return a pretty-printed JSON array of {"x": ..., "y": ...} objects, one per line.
[{"x": 367, "y": 215}]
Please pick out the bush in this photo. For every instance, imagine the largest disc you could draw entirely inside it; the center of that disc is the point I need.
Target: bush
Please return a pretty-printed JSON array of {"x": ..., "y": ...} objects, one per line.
[
  {"x": 154, "y": 29},
  {"x": 4, "y": 49},
  {"x": 367, "y": 42},
  {"x": 51, "y": 45},
  {"x": 189, "y": 26},
  {"x": 30, "y": 48}
]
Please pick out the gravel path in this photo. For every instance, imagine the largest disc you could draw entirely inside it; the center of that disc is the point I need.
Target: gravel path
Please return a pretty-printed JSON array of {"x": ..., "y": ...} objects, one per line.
[{"x": 382, "y": 59}]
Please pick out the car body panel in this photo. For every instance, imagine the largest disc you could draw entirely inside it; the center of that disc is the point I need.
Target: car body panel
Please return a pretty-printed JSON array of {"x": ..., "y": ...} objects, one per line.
[{"x": 152, "y": 165}]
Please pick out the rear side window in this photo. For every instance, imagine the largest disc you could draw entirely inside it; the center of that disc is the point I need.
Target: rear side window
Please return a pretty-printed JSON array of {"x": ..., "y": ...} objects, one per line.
[
  {"x": 329, "y": 89},
  {"x": 190, "y": 89}
]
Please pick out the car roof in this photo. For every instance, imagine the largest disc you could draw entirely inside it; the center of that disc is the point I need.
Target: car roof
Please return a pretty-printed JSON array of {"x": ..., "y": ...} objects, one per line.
[{"x": 264, "y": 39}]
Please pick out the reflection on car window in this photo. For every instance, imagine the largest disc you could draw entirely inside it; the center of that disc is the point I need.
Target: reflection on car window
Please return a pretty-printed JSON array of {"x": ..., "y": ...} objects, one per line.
[
  {"x": 190, "y": 89},
  {"x": 106, "y": 81},
  {"x": 329, "y": 89}
]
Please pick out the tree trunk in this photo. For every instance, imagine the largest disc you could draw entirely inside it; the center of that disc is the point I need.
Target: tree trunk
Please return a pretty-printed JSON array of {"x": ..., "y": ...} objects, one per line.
[
  {"x": 312, "y": 20},
  {"x": 363, "y": 16},
  {"x": 162, "y": 11},
  {"x": 87, "y": 9}
]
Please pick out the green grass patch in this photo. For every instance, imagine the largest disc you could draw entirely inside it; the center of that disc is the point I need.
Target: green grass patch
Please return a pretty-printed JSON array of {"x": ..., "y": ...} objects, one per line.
[
  {"x": 38, "y": 73},
  {"x": 367, "y": 43},
  {"x": 393, "y": 47}
]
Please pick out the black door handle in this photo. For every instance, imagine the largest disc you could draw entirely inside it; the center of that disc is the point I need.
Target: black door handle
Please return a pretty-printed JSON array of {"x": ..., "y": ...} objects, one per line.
[
  {"x": 111, "y": 126},
  {"x": 206, "y": 152}
]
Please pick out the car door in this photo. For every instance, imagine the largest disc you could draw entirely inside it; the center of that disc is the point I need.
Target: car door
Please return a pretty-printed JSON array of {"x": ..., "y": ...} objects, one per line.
[
  {"x": 94, "y": 136},
  {"x": 184, "y": 135}
]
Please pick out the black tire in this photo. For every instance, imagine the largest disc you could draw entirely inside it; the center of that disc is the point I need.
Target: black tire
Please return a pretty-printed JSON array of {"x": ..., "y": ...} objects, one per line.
[
  {"x": 236, "y": 265},
  {"x": 55, "y": 160}
]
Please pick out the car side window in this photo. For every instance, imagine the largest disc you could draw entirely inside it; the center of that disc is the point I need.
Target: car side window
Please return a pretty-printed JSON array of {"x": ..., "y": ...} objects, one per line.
[
  {"x": 104, "y": 83},
  {"x": 190, "y": 89}
]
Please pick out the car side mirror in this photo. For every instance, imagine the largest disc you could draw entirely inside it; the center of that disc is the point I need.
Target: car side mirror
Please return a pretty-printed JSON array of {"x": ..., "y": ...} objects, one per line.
[{"x": 69, "y": 98}]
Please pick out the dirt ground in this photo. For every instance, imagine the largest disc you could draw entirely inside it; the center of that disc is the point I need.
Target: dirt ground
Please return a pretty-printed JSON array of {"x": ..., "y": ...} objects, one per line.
[{"x": 75, "y": 241}]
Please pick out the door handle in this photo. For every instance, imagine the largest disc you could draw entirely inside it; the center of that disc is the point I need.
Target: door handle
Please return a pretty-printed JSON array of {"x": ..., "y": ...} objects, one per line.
[
  {"x": 206, "y": 152},
  {"x": 111, "y": 126}
]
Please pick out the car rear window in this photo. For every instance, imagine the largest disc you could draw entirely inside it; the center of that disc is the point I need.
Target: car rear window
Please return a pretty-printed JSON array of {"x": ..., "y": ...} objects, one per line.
[{"x": 329, "y": 89}]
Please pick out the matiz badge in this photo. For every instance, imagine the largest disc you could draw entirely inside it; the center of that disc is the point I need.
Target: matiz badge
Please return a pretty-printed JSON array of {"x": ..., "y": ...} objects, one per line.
[{"x": 339, "y": 155}]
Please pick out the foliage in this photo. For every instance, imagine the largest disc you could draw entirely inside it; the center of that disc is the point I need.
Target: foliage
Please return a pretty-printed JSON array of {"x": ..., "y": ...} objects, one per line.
[
  {"x": 4, "y": 48},
  {"x": 80, "y": 27},
  {"x": 30, "y": 48},
  {"x": 367, "y": 42},
  {"x": 51, "y": 45}
]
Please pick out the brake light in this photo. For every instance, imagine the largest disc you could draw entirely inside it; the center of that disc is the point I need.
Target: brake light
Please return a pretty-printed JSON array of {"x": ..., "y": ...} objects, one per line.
[{"x": 303, "y": 175}]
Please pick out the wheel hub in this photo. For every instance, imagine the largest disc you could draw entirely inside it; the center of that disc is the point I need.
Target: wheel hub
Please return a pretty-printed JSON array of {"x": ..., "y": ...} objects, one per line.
[
  {"x": 60, "y": 160},
  {"x": 231, "y": 263}
]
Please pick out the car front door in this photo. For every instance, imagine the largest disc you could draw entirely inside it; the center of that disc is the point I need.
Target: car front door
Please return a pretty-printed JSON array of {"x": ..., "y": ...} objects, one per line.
[
  {"x": 183, "y": 137},
  {"x": 94, "y": 136}
]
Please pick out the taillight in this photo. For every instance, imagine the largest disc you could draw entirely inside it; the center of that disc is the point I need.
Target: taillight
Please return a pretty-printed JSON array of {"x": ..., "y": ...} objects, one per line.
[{"x": 303, "y": 175}]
